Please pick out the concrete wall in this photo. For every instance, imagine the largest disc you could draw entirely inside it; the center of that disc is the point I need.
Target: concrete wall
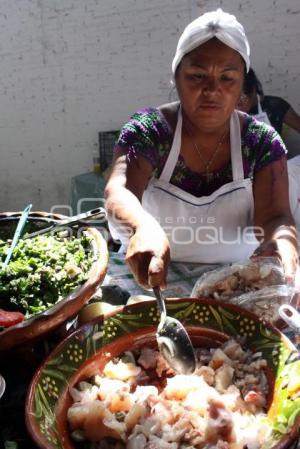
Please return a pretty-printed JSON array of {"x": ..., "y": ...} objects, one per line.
[{"x": 71, "y": 68}]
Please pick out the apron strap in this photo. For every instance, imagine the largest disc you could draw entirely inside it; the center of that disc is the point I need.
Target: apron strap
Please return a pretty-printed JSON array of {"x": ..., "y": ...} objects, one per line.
[
  {"x": 235, "y": 149},
  {"x": 174, "y": 152}
]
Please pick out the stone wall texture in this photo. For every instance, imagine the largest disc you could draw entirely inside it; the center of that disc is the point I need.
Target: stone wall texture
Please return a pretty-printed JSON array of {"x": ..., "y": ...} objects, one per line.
[{"x": 72, "y": 68}]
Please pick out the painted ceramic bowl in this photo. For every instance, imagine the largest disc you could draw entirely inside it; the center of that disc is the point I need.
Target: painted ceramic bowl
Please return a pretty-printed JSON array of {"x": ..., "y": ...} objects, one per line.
[
  {"x": 39, "y": 324},
  {"x": 209, "y": 324}
]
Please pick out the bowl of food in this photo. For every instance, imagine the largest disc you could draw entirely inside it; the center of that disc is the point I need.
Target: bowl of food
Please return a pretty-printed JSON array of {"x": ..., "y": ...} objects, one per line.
[
  {"x": 48, "y": 279},
  {"x": 106, "y": 385}
]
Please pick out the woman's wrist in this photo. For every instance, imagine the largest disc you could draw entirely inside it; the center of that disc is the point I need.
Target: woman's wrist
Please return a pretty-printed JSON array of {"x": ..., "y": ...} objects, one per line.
[{"x": 147, "y": 221}]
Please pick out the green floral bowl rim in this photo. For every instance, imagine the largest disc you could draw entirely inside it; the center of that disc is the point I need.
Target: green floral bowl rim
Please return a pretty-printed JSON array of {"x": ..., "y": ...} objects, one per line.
[{"x": 55, "y": 374}]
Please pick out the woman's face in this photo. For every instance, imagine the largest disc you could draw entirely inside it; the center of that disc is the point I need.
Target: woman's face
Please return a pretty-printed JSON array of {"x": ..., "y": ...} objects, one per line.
[{"x": 209, "y": 82}]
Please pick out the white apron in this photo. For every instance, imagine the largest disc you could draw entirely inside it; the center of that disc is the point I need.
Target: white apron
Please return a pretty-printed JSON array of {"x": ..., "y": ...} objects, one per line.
[
  {"x": 261, "y": 116},
  {"x": 210, "y": 229},
  {"x": 294, "y": 188}
]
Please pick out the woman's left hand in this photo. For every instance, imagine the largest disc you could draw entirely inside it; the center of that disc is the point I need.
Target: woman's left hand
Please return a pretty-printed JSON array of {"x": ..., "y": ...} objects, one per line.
[
  {"x": 285, "y": 251},
  {"x": 272, "y": 215}
]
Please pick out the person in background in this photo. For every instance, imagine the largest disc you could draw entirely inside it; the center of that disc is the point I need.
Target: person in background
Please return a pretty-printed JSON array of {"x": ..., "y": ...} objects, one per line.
[
  {"x": 276, "y": 112},
  {"x": 267, "y": 108},
  {"x": 191, "y": 178}
]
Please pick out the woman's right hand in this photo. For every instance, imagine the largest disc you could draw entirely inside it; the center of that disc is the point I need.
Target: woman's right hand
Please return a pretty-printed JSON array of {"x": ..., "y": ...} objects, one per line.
[{"x": 148, "y": 255}]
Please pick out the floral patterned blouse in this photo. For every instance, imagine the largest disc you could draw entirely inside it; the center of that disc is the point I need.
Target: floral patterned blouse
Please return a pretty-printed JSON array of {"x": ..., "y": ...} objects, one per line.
[{"x": 148, "y": 134}]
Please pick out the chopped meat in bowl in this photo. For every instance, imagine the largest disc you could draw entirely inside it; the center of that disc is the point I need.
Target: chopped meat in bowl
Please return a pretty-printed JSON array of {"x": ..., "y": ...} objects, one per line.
[
  {"x": 106, "y": 385},
  {"x": 139, "y": 402}
]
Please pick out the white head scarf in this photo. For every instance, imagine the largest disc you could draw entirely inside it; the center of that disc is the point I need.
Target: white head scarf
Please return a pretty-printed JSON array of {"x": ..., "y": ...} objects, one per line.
[{"x": 217, "y": 24}]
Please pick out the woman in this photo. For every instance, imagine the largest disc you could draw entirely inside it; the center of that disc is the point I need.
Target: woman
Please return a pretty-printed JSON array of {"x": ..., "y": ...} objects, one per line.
[
  {"x": 267, "y": 108},
  {"x": 275, "y": 111},
  {"x": 189, "y": 178}
]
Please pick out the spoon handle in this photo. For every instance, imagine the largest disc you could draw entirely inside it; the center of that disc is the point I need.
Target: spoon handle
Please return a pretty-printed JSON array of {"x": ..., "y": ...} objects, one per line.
[
  {"x": 291, "y": 316},
  {"x": 69, "y": 221},
  {"x": 20, "y": 226},
  {"x": 160, "y": 301}
]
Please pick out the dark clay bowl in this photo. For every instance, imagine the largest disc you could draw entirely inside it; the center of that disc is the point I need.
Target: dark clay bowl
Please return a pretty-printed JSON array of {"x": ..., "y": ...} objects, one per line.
[
  {"x": 209, "y": 324},
  {"x": 38, "y": 325}
]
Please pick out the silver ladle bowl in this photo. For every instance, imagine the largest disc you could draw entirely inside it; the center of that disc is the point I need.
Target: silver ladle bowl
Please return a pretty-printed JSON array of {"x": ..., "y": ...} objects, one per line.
[
  {"x": 173, "y": 340},
  {"x": 2, "y": 385}
]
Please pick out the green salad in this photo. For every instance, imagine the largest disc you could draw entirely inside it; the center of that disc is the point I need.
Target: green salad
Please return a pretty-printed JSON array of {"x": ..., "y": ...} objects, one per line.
[{"x": 42, "y": 271}]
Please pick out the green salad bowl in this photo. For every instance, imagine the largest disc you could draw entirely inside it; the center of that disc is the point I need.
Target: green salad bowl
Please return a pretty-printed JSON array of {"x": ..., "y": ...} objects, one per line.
[{"x": 38, "y": 324}]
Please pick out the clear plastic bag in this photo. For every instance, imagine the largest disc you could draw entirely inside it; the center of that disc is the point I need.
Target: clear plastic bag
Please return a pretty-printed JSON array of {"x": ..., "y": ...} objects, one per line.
[
  {"x": 238, "y": 279},
  {"x": 266, "y": 301},
  {"x": 258, "y": 286}
]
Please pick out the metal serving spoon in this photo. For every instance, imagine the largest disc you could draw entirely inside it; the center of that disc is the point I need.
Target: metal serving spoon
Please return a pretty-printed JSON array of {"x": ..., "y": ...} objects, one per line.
[
  {"x": 69, "y": 221},
  {"x": 2, "y": 385},
  {"x": 173, "y": 340}
]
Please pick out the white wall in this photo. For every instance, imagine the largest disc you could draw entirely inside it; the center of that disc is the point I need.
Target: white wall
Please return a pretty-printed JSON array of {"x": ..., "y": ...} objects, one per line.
[{"x": 71, "y": 68}]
